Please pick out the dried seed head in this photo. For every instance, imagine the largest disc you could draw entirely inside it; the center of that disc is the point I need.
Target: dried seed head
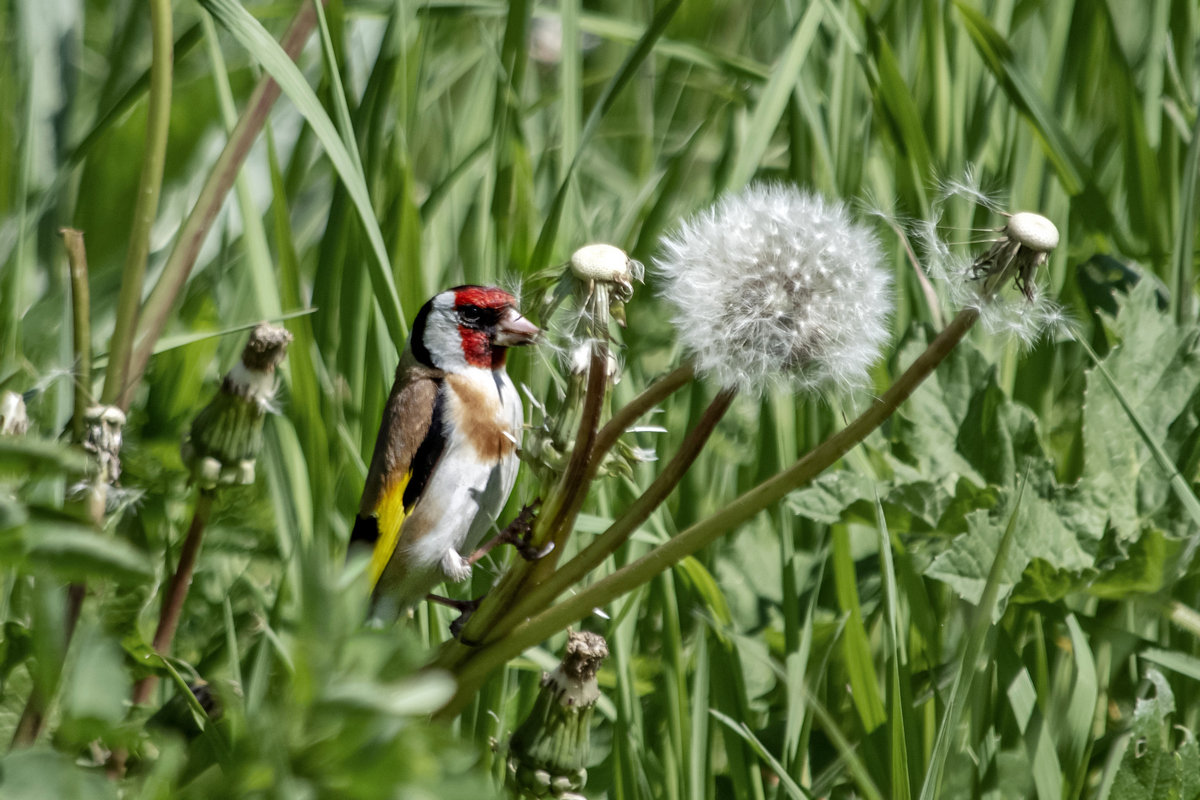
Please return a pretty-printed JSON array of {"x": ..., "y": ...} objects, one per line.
[
  {"x": 103, "y": 437},
  {"x": 1024, "y": 246},
  {"x": 549, "y": 751},
  {"x": 1032, "y": 231},
  {"x": 227, "y": 434},
  {"x": 773, "y": 285},
  {"x": 1025, "y": 242}
]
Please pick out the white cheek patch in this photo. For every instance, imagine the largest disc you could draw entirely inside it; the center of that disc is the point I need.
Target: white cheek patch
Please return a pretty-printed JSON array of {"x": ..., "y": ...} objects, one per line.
[{"x": 442, "y": 339}]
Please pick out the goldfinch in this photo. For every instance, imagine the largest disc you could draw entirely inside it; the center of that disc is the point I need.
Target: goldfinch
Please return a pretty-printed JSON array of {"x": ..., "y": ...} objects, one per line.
[{"x": 446, "y": 455}]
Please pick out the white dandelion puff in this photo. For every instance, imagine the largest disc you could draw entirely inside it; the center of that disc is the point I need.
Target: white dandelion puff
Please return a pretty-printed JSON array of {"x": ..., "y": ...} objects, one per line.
[
  {"x": 1016, "y": 250},
  {"x": 774, "y": 285}
]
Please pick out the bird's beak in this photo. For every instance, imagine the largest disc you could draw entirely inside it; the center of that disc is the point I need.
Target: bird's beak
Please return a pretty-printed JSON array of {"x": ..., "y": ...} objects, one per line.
[{"x": 513, "y": 329}]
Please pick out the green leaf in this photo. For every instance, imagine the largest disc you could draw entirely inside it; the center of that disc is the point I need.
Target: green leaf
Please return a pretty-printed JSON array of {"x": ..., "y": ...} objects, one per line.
[
  {"x": 1040, "y": 533},
  {"x": 1151, "y": 380},
  {"x": 266, "y": 51},
  {"x": 20, "y": 455},
  {"x": 97, "y": 688},
  {"x": 39, "y": 774},
  {"x": 1150, "y": 770},
  {"x": 76, "y": 552}
]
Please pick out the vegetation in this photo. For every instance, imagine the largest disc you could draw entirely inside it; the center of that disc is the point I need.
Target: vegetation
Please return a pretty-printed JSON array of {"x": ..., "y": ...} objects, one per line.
[{"x": 991, "y": 595}]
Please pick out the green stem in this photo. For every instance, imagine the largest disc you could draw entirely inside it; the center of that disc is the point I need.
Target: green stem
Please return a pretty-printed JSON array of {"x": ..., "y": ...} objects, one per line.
[
  {"x": 32, "y": 720},
  {"x": 198, "y": 223},
  {"x": 81, "y": 331},
  {"x": 559, "y": 511},
  {"x": 145, "y": 208},
  {"x": 177, "y": 590},
  {"x": 654, "y": 394},
  {"x": 604, "y": 591},
  {"x": 542, "y": 594}
]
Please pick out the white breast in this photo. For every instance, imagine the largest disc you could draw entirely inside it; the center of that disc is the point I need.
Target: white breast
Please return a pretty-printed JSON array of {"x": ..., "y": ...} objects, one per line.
[{"x": 473, "y": 478}]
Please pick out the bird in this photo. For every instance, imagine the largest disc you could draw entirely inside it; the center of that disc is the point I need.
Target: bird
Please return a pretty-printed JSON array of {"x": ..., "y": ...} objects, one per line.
[{"x": 445, "y": 458}]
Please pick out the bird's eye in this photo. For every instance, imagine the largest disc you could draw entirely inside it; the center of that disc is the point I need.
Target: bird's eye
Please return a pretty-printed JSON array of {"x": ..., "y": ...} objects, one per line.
[{"x": 471, "y": 315}]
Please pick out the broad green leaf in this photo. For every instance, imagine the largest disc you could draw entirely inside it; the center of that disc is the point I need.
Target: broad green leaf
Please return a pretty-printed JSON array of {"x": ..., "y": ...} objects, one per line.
[
  {"x": 1142, "y": 416},
  {"x": 1040, "y": 532},
  {"x": 79, "y": 553},
  {"x": 1151, "y": 769},
  {"x": 41, "y": 774}
]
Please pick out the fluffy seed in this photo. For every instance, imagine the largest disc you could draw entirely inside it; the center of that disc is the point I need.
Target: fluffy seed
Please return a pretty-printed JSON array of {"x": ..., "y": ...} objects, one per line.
[{"x": 774, "y": 285}]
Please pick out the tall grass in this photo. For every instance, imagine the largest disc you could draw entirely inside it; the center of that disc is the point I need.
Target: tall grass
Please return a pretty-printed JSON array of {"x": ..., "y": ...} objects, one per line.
[{"x": 992, "y": 596}]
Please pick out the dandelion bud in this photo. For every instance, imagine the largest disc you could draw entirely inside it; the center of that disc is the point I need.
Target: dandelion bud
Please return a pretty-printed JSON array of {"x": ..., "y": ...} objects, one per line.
[
  {"x": 103, "y": 437},
  {"x": 773, "y": 285},
  {"x": 548, "y": 753},
  {"x": 227, "y": 435}
]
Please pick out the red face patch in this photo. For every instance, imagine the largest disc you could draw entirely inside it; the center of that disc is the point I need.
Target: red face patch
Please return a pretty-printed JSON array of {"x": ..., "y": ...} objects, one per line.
[
  {"x": 478, "y": 351},
  {"x": 477, "y": 346},
  {"x": 484, "y": 297}
]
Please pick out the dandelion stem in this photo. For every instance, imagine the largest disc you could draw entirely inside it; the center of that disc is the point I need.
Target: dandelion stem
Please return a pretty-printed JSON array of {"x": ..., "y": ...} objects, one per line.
[
  {"x": 540, "y": 595},
  {"x": 29, "y": 726},
  {"x": 529, "y": 632},
  {"x": 177, "y": 589},
  {"x": 575, "y": 479},
  {"x": 654, "y": 394},
  {"x": 81, "y": 332},
  {"x": 559, "y": 510}
]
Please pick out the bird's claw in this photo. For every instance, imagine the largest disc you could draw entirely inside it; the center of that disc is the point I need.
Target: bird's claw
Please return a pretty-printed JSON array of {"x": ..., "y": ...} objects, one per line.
[
  {"x": 519, "y": 534},
  {"x": 455, "y": 567},
  {"x": 464, "y": 607}
]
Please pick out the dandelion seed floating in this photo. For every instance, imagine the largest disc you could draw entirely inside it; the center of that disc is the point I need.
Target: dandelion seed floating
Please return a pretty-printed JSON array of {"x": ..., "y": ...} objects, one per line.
[
  {"x": 776, "y": 286},
  {"x": 1024, "y": 246}
]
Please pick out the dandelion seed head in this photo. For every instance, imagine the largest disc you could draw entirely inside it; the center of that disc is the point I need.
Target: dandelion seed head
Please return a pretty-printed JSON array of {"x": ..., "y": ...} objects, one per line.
[
  {"x": 1014, "y": 253},
  {"x": 776, "y": 286}
]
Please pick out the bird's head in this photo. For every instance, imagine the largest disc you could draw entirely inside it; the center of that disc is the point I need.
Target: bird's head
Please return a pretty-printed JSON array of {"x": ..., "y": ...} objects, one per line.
[{"x": 469, "y": 326}]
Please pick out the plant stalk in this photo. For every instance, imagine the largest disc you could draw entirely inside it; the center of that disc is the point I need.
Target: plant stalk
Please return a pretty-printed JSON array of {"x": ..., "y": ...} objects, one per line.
[
  {"x": 29, "y": 726},
  {"x": 529, "y": 632},
  {"x": 654, "y": 394},
  {"x": 544, "y": 593},
  {"x": 554, "y": 523},
  {"x": 81, "y": 331},
  {"x": 177, "y": 589},
  {"x": 199, "y": 222},
  {"x": 146, "y": 206}
]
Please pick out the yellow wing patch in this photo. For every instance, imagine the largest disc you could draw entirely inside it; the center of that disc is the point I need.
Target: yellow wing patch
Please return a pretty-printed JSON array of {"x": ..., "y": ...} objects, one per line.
[{"x": 390, "y": 513}]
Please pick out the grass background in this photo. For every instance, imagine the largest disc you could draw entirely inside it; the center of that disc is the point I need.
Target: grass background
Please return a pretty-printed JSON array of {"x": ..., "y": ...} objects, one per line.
[{"x": 797, "y": 657}]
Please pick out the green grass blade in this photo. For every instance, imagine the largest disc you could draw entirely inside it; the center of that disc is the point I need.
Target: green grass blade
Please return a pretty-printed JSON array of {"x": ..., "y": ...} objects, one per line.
[
  {"x": 793, "y": 789},
  {"x": 1002, "y": 61},
  {"x": 624, "y": 74},
  {"x": 856, "y": 648},
  {"x": 247, "y": 30},
  {"x": 1184, "y": 296},
  {"x": 956, "y": 704},
  {"x": 764, "y": 121}
]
